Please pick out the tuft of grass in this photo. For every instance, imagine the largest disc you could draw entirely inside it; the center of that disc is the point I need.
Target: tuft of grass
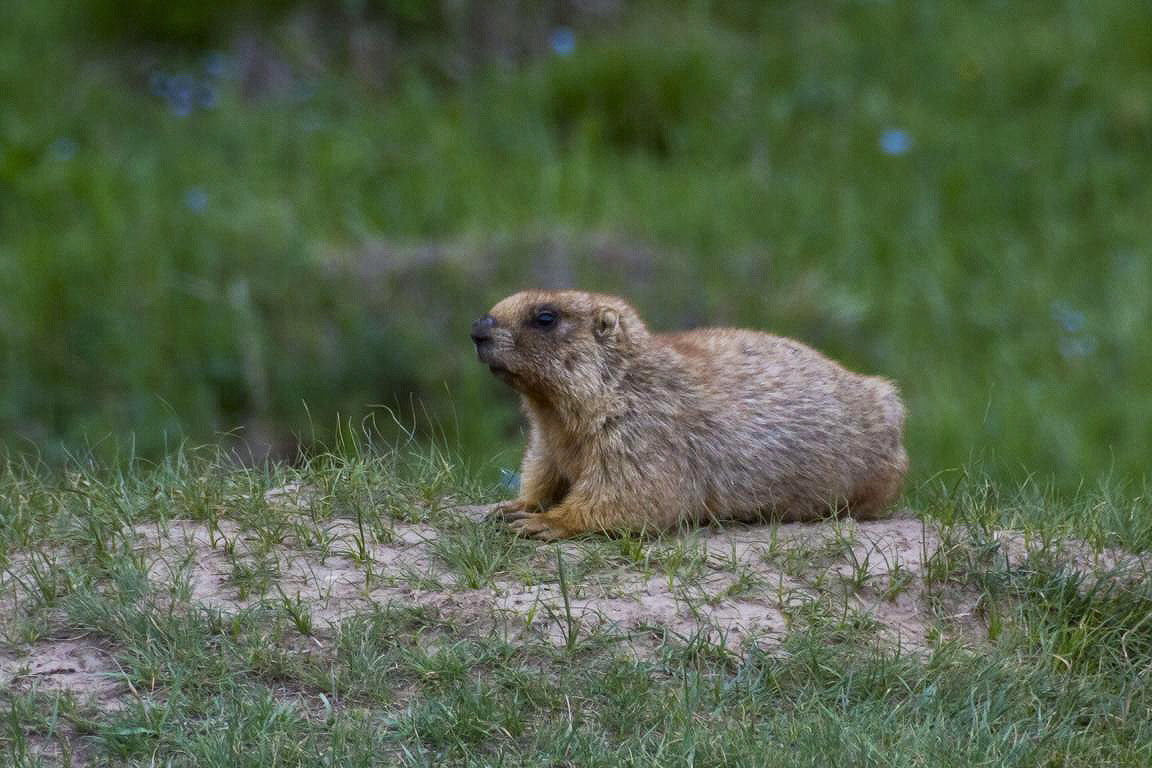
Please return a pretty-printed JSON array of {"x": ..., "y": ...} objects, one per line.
[
  {"x": 297, "y": 611},
  {"x": 479, "y": 552}
]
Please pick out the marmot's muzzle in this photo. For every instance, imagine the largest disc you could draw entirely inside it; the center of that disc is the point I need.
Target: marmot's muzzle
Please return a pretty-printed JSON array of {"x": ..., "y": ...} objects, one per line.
[{"x": 482, "y": 329}]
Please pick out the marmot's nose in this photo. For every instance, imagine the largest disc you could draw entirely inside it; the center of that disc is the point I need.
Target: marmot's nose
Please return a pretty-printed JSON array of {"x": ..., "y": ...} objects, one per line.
[{"x": 482, "y": 329}]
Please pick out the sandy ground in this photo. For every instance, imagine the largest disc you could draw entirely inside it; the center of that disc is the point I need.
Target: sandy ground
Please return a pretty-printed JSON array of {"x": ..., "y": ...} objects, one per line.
[{"x": 748, "y": 585}]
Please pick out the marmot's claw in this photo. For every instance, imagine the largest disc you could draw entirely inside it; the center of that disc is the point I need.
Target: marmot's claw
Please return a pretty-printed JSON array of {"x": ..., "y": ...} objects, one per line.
[
  {"x": 512, "y": 510},
  {"x": 535, "y": 527},
  {"x": 496, "y": 514}
]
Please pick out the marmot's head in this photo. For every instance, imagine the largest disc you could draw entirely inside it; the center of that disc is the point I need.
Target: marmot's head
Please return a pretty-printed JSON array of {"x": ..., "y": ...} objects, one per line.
[{"x": 550, "y": 344}]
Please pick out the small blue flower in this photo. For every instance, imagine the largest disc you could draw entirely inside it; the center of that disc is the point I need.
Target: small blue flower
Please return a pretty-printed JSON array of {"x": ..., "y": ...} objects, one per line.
[
  {"x": 217, "y": 65},
  {"x": 64, "y": 148},
  {"x": 302, "y": 93},
  {"x": 563, "y": 41},
  {"x": 205, "y": 96},
  {"x": 1071, "y": 320},
  {"x": 1077, "y": 347},
  {"x": 158, "y": 84},
  {"x": 1076, "y": 342},
  {"x": 195, "y": 199},
  {"x": 183, "y": 93},
  {"x": 895, "y": 141},
  {"x": 180, "y": 93}
]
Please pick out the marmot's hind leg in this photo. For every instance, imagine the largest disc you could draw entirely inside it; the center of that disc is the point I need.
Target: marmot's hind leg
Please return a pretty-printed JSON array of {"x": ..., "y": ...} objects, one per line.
[{"x": 874, "y": 500}]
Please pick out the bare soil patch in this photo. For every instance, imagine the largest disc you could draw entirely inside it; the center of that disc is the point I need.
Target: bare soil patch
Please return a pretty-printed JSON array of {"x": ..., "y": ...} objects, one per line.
[
  {"x": 783, "y": 568},
  {"x": 78, "y": 666},
  {"x": 735, "y": 585}
]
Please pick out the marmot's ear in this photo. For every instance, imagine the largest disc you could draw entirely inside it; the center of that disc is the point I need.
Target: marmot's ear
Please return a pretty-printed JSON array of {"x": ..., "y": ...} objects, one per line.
[{"x": 607, "y": 323}]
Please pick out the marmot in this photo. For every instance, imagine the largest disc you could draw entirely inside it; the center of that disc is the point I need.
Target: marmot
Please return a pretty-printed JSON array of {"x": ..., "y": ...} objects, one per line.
[{"x": 639, "y": 431}]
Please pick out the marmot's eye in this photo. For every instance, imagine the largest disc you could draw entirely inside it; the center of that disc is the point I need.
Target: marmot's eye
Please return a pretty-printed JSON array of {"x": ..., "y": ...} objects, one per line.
[{"x": 545, "y": 318}]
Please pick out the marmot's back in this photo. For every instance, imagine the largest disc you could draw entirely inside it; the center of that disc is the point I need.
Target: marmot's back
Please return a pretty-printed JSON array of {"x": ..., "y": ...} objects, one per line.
[{"x": 792, "y": 433}]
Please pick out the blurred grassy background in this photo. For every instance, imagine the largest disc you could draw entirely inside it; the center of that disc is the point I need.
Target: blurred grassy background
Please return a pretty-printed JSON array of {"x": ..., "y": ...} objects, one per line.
[{"x": 218, "y": 225}]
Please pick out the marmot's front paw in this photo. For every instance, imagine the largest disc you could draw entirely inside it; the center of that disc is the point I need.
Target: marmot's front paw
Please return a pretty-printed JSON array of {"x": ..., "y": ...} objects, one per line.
[
  {"x": 513, "y": 510},
  {"x": 537, "y": 526}
]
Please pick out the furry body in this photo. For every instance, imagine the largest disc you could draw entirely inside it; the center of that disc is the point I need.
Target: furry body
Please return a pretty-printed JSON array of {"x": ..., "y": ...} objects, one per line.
[{"x": 634, "y": 430}]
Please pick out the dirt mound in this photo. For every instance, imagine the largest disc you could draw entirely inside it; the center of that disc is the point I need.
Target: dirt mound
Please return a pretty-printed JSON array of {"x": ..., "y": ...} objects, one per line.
[{"x": 735, "y": 585}]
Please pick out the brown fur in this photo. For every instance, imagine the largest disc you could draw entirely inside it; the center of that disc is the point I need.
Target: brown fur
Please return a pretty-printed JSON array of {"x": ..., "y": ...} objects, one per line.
[{"x": 633, "y": 430}]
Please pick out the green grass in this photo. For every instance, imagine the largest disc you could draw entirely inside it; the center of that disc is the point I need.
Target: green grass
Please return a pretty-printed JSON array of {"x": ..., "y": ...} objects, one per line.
[
  {"x": 1029, "y": 660},
  {"x": 265, "y": 264},
  {"x": 255, "y": 269}
]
